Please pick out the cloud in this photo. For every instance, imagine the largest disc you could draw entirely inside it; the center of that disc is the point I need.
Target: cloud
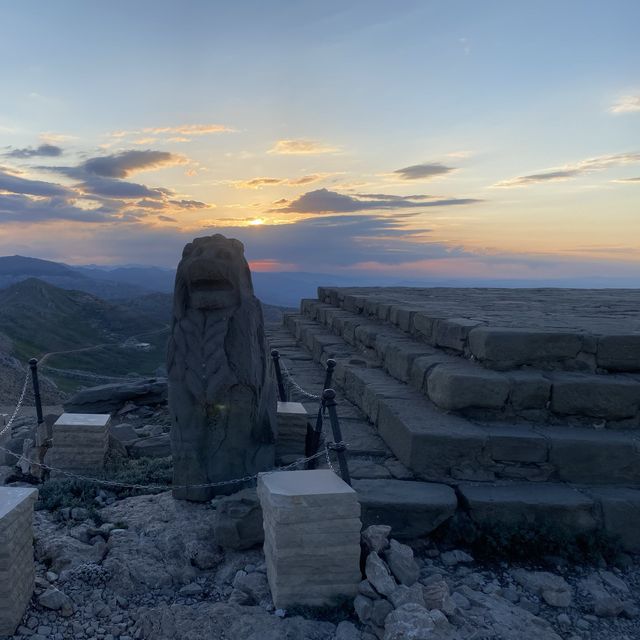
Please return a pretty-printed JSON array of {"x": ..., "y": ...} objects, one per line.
[
  {"x": 583, "y": 167},
  {"x": 190, "y": 204},
  {"x": 257, "y": 183},
  {"x": 626, "y": 104},
  {"x": 22, "y": 208},
  {"x": 323, "y": 201},
  {"x": 15, "y": 184},
  {"x": 628, "y": 180},
  {"x": 122, "y": 165},
  {"x": 44, "y": 150},
  {"x": 424, "y": 171},
  {"x": 301, "y": 147},
  {"x": 177, "y": 133},
  {"x": 113, "y": 188}
]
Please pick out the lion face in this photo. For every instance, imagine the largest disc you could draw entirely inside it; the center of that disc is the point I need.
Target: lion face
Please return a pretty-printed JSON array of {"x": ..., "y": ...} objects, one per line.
[{"x": 215, "y": 273}]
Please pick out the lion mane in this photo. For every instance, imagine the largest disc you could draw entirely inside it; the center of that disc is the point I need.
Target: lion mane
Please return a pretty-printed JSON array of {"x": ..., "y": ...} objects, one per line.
[{"x": 221, "y": 391}]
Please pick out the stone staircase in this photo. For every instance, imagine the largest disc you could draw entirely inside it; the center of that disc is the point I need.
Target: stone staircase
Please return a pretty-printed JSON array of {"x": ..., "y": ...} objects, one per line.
[{"x": 526, "y": 402}]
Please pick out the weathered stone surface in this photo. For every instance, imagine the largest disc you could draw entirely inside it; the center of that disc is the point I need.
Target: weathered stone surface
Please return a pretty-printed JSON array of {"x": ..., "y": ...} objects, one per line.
[
  {"x": 221, "y": 392},
  {"x": 529, "y": 390},
  {"x": 460, "y": 386},
  {"x": 405, "y": 595},
  {"x": 591, "y": 456},
  {"x": 379, "y": 576},
  {"x": 516, "y": 444},
  {"x": 527, "y": 505},
  {"x": 376, "y": 537},
  {"x": 510, "y": 347},
  {"x": 409, "y": 622},
  {"x": 292, "y": 429},
  {"x": 610, "y": 397},
  {"x": 620, "y": 509},
  {"x": 17, "y": 569},
  {"x": 108, "y": 398},
  {"x": 412, "y": 509},
  {"x": 163, "y": 543},
  {"x": 79, "y": 441},
  {"x": 153, "y": 447},
  {"x": 237, "y": 523},
  {"x": 603, "y": 603},
  {"x": 208, "y": 620},
  {"x": 379, "y": 611},
  {"x": 400, "y": 559},
  {"x": 619, "y": 352},
  {"x": 554, "y": 589}
]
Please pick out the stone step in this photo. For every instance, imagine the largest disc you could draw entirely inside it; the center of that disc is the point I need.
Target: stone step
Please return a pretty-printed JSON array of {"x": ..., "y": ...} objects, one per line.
[
  {"x": 455, "y": 383},
  {"x": 584, "y": 330},
  {"x": 440, "y": 446}
]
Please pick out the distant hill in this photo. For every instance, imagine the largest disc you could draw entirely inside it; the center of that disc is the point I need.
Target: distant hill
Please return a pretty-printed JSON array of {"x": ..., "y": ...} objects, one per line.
[{"x": 38, "y": 318}]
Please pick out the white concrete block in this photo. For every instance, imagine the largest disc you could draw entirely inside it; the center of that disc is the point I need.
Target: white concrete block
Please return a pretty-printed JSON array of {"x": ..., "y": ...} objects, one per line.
[
  {"x": 312, "y": 537},
  {"x": 80, "y": 441},
  {"x": 17, "y": 567},
  {"x": 292, "y": 429}
]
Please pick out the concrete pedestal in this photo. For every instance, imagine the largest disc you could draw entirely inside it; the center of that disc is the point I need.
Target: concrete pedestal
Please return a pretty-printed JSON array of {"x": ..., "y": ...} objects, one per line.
[
  {"x": 17, "y": 568},
  {"x": 80, "y": 441},
  {"x": 312, "y": 537},
  {"x": 292, "y": 430}
]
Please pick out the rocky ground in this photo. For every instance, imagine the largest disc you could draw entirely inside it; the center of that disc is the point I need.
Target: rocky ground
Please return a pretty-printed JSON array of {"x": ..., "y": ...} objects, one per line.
[{"x": 150, "y": 567}]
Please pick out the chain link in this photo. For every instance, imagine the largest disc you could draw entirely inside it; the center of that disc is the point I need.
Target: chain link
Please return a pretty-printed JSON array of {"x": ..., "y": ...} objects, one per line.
[
  {"x": 23, "y": 393},
  {"x": 295, "y": 385},
  {"x": 164, "y": 487}
]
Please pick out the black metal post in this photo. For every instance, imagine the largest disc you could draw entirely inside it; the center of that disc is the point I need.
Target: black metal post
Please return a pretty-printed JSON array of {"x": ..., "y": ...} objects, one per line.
[
  {"x": 313, "y": 435},
  {"x": 329, "y": 397},
  {"x": 33, "y": 363},
  {"x": 276, "y": 363}
]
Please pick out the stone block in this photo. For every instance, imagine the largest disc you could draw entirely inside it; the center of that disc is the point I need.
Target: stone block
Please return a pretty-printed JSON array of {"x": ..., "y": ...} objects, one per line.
[
  {"x": 619, "y": 352},
  {"x": 461, "y": 386},
  {"x": 412, "y": 509},
  {"x": 152, "y": 447},
  {"x": 515, "y": 444},
  {"x": 526, "y": 505},
  {"x": 529, "y": 390},
  {"x": 594, "y": 456},
  {"x": 80, "y": 441},
  {"x": 505, "y": 347},
  {"x": 312, "y": 537},
  {"x": 620, "y": 509},
  {"x": 600, "y": 396},
  {"x": 17, "y": 567},
  {"x": 292, "y": 429},
  {"x": 452, "y": 332}
]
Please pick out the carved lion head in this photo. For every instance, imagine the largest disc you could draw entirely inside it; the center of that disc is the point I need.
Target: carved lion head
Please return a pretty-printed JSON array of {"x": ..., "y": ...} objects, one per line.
[{"x": 213, "y": 274}]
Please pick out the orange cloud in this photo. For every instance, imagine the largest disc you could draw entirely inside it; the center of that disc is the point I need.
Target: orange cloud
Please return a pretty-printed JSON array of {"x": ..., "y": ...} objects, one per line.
[{"x": 301, "y": 147}]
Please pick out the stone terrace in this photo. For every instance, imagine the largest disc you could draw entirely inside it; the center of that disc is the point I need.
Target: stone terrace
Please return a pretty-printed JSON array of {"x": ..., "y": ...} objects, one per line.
[{"x": 527, "y": 402}]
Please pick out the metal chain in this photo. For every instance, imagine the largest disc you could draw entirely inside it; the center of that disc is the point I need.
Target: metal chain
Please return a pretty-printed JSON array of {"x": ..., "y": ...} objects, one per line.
[
  {"x": 163, "y": 487},
  {"x": 295, "y": 385},
  {"x": 23, "y": 393}
]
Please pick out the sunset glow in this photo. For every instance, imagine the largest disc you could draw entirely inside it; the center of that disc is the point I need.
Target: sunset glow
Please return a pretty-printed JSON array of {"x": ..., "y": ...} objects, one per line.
[{"x": 321, "y": 138}]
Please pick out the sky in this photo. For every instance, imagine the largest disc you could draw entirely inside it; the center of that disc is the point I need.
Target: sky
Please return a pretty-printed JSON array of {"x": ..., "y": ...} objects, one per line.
[{"x": 409, "y": 139}]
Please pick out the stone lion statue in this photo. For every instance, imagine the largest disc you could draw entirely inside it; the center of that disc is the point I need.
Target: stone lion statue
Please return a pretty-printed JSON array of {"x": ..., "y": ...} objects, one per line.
[{"x": 221, "y": 393}]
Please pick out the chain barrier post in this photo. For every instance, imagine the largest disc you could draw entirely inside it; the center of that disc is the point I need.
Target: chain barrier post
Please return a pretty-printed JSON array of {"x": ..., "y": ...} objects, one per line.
[
  {"x": 314, "y": 435},
  {"x": 329, "y": 397},
  {"x": 33, "y": 363},
  {"x": 275, "y": 354}
]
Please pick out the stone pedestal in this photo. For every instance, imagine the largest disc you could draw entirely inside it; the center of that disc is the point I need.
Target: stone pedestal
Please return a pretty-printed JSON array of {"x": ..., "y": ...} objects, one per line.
[
  {"x": 80, "y": 441},
  {"x": 292, "y": 430},
  {"x": 17, "y": 568},
  {"x": 312, "y": 537}
]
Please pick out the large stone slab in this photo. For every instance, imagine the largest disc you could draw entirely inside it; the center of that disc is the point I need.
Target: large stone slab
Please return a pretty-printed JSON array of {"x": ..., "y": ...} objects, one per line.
[
  {"x": 17, "y": 567},
  {"x": 602, "y": 396},
  {"x": 619, "y": 352},
  {"x": 462, "y": 386},
  {"x": 411, "y": 509},
  {"x": 108, "y": 398},
  {"x": 620, "y": 509},
  {"x": 550, "y": 507}
]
